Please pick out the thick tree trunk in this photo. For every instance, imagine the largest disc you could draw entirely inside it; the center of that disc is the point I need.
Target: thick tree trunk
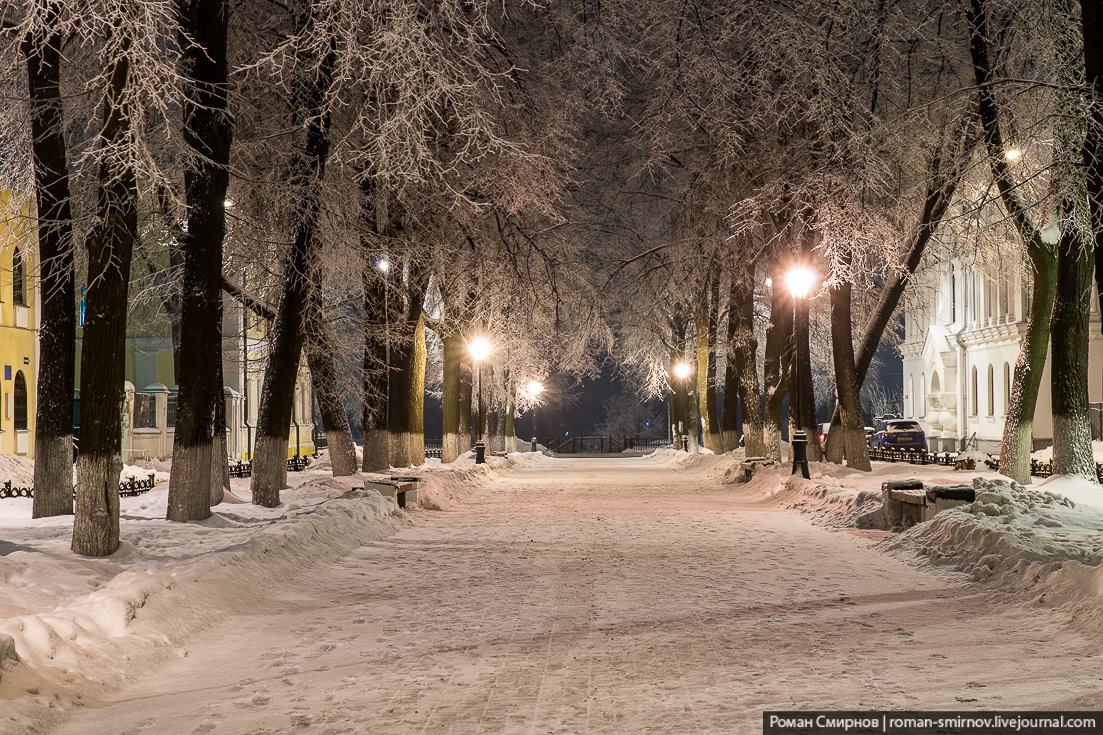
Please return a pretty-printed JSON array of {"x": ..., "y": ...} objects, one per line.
[
  {"x": 103, "y": 361},
  {"x": 1072, "y": 439},
  {"x": 208, "y": 132},
  {"x": 286, "y": 341},
  {"x": 220, "y": 457},
  {"x": 775, "y": 363},
  {"x": 456, "y": 399},
  {"x": 323, "y": 377},
  {"x": 495, "y": 439},
  {"x": 1018, "y": 429},
  {"x": 732, "y": 390},
  {"x": 376, "y": 442},
  {"x": 842, "y": 349},
  {"x": 704, "y": 322},
  {"x": 407, "y": 419},
  {"x": 745, "y": 355},
  {"x": 807, "y": 419},
  {"x": 53, "y": 432},
  {"x": 509, "y": 430}
]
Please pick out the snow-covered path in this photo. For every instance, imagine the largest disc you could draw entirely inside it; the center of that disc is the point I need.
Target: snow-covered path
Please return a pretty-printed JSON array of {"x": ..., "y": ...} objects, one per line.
[{"x": 607, "y": 596}]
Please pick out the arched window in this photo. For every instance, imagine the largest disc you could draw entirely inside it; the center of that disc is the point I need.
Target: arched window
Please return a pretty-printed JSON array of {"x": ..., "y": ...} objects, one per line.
[
  {"x": 991, "y": 391},
  {"x": 974, "y": 391},
  {"x": 19, "y": 295},
  {"x": 20, "y": 402},
  {"x": 922, "y": 410},
  {"x": 936, "y": 385},
  {"x": 1006, "y": 387}
]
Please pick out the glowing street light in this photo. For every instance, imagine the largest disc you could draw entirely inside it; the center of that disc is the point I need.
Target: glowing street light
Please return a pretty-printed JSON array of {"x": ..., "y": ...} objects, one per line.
[
  {"x": 799, "y": 281},
  {"x": 384, "y": 265},
  {"x": 1013, "y": 154},
  {"x": 681, "y": 370},
  {"x": 535, "y": 388},
  {"x": 480, "y": 350}
]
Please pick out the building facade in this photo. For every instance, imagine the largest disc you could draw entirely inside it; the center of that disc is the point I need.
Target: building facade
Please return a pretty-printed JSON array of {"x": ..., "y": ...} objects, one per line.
[
  {"x": 19, "y": 315},
  {"x": 962, "y": 332}
]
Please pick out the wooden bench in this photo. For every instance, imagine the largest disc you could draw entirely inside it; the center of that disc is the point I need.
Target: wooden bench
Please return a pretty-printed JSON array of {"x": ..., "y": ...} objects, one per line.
[{"x": 402, "y": 489}]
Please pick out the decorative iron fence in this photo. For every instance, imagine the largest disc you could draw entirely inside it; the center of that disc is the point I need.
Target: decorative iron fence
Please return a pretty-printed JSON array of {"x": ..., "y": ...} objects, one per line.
[{"x": 127, "y": 488}]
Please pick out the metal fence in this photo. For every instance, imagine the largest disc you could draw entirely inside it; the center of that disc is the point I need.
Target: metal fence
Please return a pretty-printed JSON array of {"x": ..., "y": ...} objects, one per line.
[{"x": 1038, "y": 468}]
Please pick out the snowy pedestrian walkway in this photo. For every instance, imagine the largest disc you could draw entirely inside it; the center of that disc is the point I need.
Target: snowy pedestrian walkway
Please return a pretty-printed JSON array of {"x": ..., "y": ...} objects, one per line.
[{"x": 607, "y": 595}]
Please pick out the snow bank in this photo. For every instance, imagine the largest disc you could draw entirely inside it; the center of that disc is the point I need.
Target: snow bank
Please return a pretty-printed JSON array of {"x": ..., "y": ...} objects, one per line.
[
  {"x": 1036, "y": 540},
  {"x": 20, "y": 470},
  {"x": 74, "y": 626},
  {"x": 77, "y": 626}
]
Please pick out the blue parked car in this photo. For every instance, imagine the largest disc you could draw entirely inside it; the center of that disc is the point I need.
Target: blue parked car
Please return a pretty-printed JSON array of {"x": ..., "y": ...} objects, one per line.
[{"x": 899, "y": 434}]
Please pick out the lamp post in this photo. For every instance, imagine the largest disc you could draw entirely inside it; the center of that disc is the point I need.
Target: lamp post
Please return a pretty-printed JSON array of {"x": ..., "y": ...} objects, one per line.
[
  {"x": 535, "y": 389},
  {"x": 480, "y": 350},
  {"x": 799, "y": 281},
  {"x": 385, "y": 266},
  {"x": 681, "y": 371}
]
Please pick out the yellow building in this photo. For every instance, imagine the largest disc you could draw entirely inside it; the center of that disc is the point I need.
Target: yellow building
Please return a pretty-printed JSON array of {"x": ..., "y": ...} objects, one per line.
[{"x": 18, "y": 324}]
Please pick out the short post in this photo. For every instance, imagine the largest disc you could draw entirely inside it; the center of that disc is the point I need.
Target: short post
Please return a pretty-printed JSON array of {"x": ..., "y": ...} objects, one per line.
[{"x": 534, "y": 443}]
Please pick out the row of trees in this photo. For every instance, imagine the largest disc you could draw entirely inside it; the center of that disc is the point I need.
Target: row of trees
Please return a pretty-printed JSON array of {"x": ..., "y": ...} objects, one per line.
[
  {"x": 435, "y": 137},
  {"x": 569, "y": 179},
  {"x": 861, "y": 141}
]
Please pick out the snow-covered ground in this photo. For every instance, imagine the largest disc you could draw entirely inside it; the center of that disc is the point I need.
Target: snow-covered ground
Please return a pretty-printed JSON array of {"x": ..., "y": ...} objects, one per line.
[{"x": 552, "y": 595}]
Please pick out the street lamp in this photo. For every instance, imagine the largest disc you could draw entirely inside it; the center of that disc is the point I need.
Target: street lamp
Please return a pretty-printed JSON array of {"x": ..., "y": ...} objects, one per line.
[
  {"x": 681, "y": 371},
  {"x": 480, "y": 350},
  {"x": 384, "y": 266},
  {"x": 535, "y": 389},
  {"x": 799, "y": 281}
]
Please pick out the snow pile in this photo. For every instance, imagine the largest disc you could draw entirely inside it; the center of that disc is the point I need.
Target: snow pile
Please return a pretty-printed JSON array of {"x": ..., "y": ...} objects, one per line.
[
  {"x": 1035, "y": 540},
  {"x": 81, "y": 626},
  {"x": 139, "y": 472},
  {"x": 20, "y": 470}
]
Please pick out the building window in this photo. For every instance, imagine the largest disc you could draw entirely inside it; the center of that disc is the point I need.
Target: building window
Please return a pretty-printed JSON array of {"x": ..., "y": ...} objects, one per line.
[
  {"x": 20, "y": 402},
  {"x": 19, "y": 296},
  {"x": 991, "y": 391},
  {"x": 1006, "y": 387},
  {"x": 974, "y": 391}
]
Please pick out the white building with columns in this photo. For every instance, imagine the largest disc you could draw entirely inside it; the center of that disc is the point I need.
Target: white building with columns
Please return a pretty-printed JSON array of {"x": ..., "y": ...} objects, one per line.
[{"x": 962, "y": 332}]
